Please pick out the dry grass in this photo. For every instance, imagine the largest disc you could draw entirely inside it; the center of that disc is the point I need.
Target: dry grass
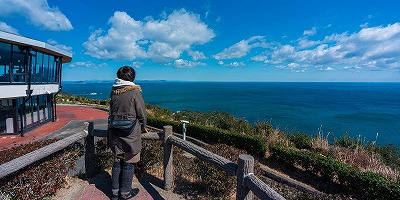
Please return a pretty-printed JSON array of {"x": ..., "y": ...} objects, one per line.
[
  {"x": 365, "y": 161},
  {"x": 275, "y": 137},
  {"x": 358, "y": 157},
  {"x": 320, "y": 143}
]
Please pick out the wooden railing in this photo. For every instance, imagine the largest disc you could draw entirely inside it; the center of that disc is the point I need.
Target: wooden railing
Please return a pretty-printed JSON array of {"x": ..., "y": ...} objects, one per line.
[
  {"x": 34, "y": 156},
  {"x": 247, "y": 183}
]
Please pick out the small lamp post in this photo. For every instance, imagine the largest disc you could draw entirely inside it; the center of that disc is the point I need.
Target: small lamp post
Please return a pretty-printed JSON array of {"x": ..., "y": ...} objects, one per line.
[{"x": 184, "y": 128}]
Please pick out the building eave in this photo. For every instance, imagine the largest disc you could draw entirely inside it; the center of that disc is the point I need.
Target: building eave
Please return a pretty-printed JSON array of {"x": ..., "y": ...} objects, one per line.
[{"x": 35, "y": 44}]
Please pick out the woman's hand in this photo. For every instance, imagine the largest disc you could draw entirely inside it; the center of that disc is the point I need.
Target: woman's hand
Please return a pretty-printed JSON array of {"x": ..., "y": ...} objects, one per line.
[{"x": 145, "y": 130}]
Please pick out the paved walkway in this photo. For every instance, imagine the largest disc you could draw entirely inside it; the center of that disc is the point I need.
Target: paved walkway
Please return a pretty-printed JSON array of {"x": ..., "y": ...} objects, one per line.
[
  {"x": 65, "y": 115},
  {"x": 70, "y": 120},
  {"x": 146, "y": 187}
]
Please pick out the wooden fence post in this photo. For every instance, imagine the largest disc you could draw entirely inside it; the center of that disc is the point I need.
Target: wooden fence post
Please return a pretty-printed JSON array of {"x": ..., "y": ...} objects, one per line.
[
  {"x": 89, "y": 152},
  {"x": 245, "y": 167},
  {"x": 168, "y": 157}
]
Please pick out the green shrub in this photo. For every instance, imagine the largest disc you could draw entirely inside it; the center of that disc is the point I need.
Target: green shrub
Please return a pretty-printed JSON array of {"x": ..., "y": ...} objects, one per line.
[
  {"x": 255, "y": 145},
  {"x": 389, "y": 155},
  {"x": 215, "y": 119},
  {"x": 263, "y": 128},
  {"x": 67, "y": 98},
  {"x": 219, "y": 183},
  {"x": 157, "y": 111},
  {"x": 42, "y": 178},
  {"x": 346, "y": 141},
  {"x": 363, "y": 184},
  {"x": 104, "y": 158},
  {"x": 300, "y": 140},
  {"x": 151, "y": 155}
]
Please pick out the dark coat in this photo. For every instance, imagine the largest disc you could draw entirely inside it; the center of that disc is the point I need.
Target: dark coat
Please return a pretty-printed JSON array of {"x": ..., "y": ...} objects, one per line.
[{"x": 127, "y": 103}]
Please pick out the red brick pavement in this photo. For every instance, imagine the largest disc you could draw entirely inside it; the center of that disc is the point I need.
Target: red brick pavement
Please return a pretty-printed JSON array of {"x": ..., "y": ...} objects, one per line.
[
  {"x": 65, "y": 114},
  {"x": 92, "y": 192}
]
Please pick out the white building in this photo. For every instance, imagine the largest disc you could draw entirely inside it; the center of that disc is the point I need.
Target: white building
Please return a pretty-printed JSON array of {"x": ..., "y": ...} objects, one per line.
[{"x": 30, "y": 78}]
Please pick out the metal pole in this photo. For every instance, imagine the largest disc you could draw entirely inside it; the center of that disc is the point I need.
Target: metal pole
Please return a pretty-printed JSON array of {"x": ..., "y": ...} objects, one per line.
[{"x": 184, "y": 128}]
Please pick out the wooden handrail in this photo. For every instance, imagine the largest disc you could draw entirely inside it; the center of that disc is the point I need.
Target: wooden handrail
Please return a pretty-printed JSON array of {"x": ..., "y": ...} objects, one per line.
[
  {"x": 259, "y": 188},
  {"x": 247, "y": 182},
  {"x": 214, "y": 159},
  {"x": 29, "y": 158}
]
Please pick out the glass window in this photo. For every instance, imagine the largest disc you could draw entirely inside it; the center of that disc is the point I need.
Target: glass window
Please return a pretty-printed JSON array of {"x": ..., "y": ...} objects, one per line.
[
  {"x": 28, "y": 112},
  {"x": 18, "y": 67},
  {"x": 58, "y": 69},
  {"x": 39, "y": 68},
  {"x": 3, "y": 120},
  {"x": 6, "y": 103},
  {"x": 32, "y": 56},
  {"x": 52, "y": 69},
  {"x": 45, "y": 73},
  {"x": 5, "y": 50},
  {"x": 35, "y": 114}
]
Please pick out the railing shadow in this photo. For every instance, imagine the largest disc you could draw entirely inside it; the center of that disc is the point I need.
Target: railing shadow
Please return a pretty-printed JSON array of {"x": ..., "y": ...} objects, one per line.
[
  {"x": 102, "y": 182},
  {"x": 149, "y": 183}
]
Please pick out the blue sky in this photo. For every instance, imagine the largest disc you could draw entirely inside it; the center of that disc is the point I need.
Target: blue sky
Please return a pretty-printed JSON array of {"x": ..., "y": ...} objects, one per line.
[{"x": 217, "y": 40}]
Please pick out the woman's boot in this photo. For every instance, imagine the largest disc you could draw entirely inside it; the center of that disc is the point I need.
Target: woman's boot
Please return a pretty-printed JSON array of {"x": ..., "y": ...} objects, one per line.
[
  {"x": 126, "y": 180},
  {"x": 115, "y": 179}
]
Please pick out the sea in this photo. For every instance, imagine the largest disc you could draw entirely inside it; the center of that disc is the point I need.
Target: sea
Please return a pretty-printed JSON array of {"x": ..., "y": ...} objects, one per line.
[{"x": 368, "y": 111}]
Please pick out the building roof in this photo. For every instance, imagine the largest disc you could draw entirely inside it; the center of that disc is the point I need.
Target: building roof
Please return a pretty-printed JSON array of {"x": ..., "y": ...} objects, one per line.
[{"x": 35, "y": 44}]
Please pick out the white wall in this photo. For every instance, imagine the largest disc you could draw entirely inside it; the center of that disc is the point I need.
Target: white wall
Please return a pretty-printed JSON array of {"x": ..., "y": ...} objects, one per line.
[
  {"x": 9, "y": 125},
  {"x": 14, "y": 91}
]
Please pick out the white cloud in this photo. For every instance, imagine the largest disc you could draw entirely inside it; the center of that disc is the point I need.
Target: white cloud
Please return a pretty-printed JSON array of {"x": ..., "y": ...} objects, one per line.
[
  {"x": 60, "y": 46},
  {"x": 178, "y": 32},
  {"x": 294, "y": 67},
  {"x": 305, "y": 43},
  {"x": 180, "y": 63},
  {"x": 327, "y": 69},
  {"x": 241, "y": 48},
  {"x": 197, "y": 55},
  {"x": 7, "y": 28},
  {"x": 310, "y": 32},
  {"x": 88, "y": 64},
  {"x": 180, "y": 27},
  {"x": 365, "y": 25},
  {"x": 120, "y": 42},
  {"x": 137, "y": 65},
  {"x": 232, "y": 64},
  {"x": 259, "y": 58},
  {"x": 159, "y": 40},
  {"x": 374, "y": 48},
  {"x": 38, "y": 13},
  {"x": 236, "y": 64},
  {"x": 163, "y": 52}
]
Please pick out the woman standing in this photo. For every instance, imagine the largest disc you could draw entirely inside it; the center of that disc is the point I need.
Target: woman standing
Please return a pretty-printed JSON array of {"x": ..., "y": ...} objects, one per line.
[{"x": 126, "y": 104}]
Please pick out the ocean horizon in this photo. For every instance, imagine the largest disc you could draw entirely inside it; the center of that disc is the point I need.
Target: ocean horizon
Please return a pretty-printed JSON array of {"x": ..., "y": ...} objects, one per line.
[{"x": 361, "y": 109}]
